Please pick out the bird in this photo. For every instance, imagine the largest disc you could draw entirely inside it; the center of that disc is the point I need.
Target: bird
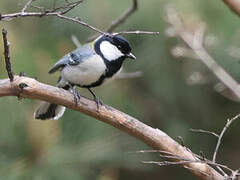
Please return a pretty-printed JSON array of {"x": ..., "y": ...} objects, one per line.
[{"x": 88, "y": 66}]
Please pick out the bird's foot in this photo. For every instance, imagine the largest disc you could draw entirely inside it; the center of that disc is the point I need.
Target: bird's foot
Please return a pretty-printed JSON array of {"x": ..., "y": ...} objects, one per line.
[
  {"x": 98, "y": 102},
  {"x": 76, "y": 96}
]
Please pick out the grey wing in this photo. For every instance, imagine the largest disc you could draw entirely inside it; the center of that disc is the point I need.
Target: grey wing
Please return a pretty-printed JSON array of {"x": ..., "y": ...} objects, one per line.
[{"x": 73, "y": 58}]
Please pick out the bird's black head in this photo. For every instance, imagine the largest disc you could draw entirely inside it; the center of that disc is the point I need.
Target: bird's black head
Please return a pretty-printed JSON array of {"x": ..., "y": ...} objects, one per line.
[{"x": 113, "y": 47}]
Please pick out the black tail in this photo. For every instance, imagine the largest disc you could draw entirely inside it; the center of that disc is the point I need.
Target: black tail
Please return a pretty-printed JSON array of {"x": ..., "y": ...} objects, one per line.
[{"x": 46, "y": 111}]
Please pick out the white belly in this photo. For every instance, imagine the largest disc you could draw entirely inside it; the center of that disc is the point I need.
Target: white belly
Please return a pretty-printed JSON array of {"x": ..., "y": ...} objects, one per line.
[{"x": 86, "y": 73}]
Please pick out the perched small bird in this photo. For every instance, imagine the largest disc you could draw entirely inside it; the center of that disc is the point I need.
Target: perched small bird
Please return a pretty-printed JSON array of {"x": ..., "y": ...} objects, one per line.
[{"x": 88, "y": 66}]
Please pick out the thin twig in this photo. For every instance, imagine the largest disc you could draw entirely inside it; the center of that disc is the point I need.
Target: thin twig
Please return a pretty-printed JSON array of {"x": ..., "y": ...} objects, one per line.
[
  {"x": 185, "y": 161},
  {"x": 229, "y": 122},
  {"x": 119, "y": 20},
  {"x": 52, "y": 12},
  {"x": 204, "y": 131},
  {"x": 78, "y": 21},
  {"x": 7, "y": 55},
  {"x": 60, "y": 11},
  {"x": 198, "y": 158},
  {"x": 70, "y": 6},
  {"x": 26, "y": 6},
  {"x": 123, "y": 17},
  {"x": 57, "y": 14},
  {"x": 181, "y": 160},
  {"x": 137, "y": 32},
  {"x": 64, "y": 9},
  {"x": 235, "y": 174}
]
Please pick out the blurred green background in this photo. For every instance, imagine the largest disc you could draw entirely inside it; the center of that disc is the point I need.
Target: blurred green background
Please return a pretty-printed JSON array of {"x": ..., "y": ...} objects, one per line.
[{"x": 175, "y": 93}]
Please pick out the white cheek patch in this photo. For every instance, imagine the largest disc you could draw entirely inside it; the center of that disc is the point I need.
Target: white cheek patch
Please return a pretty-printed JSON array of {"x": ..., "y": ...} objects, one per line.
[{"x": 109, "y": 51}]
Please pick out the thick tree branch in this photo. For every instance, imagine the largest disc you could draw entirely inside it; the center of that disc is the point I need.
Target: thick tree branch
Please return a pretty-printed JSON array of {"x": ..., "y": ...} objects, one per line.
[
  {"x": 155, "y": 138},
  {"x": 234, "y": 5}
]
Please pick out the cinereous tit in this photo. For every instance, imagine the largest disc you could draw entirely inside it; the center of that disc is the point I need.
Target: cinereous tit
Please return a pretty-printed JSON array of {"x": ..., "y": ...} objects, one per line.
[{"x": 88, "y": 66}]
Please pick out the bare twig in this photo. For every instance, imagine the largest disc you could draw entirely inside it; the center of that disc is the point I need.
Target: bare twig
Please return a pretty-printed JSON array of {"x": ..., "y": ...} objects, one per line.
[
  {"x": 185, "y": 161},
  {"x": 78, "y": 21},
  {"x": 26, "y": 6},
  {"x": 6, "y": 55},
  {"x": 119, "y": 20},
  {"x": 123, "y": 17},
  {"x": 137, "y": 32},
  {"x": 62, "y": 10},
  {"x": 155, "y": 138},
  {"x": 57, "y": 12},
  {"x": 181, "y": 160},
  {"x": 235, "y": 174},
  {"x": 194, "y": 41},
  {"x": 229, "y": 122},
  {"x": 69, "y": 6},
  {"x": 204, "y": 131}
]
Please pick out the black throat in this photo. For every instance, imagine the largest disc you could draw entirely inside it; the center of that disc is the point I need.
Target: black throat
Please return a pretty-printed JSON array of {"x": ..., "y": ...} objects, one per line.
[{"x": 113, "y": 66}]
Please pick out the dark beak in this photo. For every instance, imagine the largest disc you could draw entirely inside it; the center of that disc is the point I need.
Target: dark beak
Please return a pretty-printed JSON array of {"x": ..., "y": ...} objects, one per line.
[{"x": 131, "y": 56}]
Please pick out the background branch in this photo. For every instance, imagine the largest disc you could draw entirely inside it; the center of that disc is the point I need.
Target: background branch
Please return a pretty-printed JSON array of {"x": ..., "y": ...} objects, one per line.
[
  {"x": 123, "y": 17},
  {"x": 195, "y": 42},
  {"x": 155, "y": 138}
]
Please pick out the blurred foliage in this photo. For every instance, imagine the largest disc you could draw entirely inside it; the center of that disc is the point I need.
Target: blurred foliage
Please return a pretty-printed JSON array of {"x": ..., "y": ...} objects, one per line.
[{"x": 80, "y": 147}]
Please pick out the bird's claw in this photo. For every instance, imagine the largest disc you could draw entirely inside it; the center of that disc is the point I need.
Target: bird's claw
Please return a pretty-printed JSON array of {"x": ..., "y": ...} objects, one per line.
[
  {"x": 76, "y": 96},
  {"x": 98, "y": 102}
]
